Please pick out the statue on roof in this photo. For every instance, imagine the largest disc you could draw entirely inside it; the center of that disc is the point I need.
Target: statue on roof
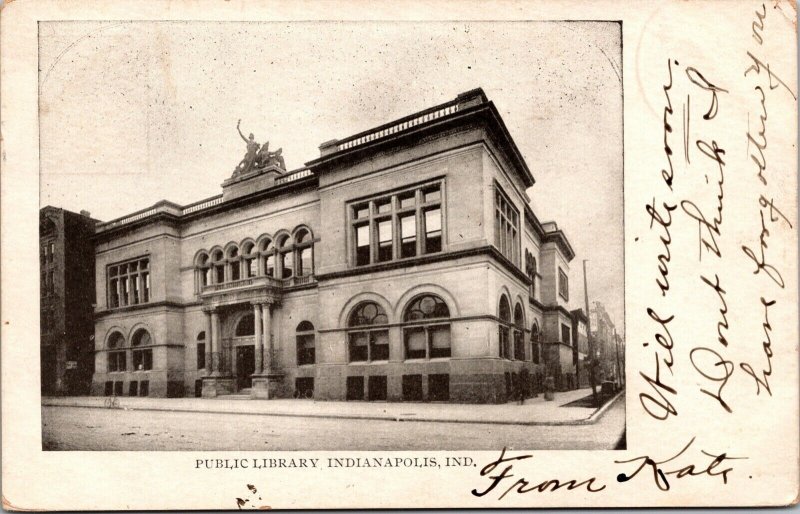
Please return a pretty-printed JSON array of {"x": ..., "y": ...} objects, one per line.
[
  {"x": 249, "y": 159},
  {"x": 257, "y": 156}
]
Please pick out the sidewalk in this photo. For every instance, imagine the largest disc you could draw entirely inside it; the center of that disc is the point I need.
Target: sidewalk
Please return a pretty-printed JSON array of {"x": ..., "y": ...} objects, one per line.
[{"x": 535, "y": 411}]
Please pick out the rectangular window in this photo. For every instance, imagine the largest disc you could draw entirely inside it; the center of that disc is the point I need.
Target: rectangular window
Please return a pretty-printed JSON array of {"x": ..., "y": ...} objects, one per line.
[
  {"x": 414, "y": 216},
  {"x": 144, "y": 388},
  {"x": 355, "y": 388},
  {"x": 566, "y": 336},
  {"x": 235, "y": 271},
  {"x": 412, "y": 388},
  {"x": 109, "y": 388},
  {"x": 506, "y": 227},
  {"x": 563, "y": 284},
  {"x": 305, "y": 349},
  {"x": 362, "y": 245},
  {"x": 433, "y": 230},
  {"x": 361, "y": 212},
  {"x": 431, "y": 194},
  {"x": 379, "y": 346},
  {"x": 383, "y": 206},
  {"x": 504, "y": 345},
  {"x": 133, "y": 389},
  {"x": 416, "y": 342},
  {"x": 377, "y": 388},
  {"x": 358, "y": 347},
  {"x": 385, "y": 240},
  {"x": 407, "y": 200},
  {"x": 118, "y": 388},
  {"x": 128, "y": 283},
  {"x": 408, "y": 235},
  {"x": 201, "y": 355},
  {"x": 116, "y": 361},
  {"x": 440, "y": 341},
  {"x": 51, "y": 284},
  {"x": 439, "y": 388},
  {"x": 142, "y": 360}
]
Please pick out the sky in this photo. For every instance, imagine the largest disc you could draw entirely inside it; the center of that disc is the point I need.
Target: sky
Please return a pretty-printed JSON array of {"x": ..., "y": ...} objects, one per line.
[{"x": 135, "y": 112}]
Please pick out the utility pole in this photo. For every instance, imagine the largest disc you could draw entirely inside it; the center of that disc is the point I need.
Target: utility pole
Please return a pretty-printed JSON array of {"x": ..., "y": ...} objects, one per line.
[
  {"x": 591, "y": 339},
  {"x": 619, "y": 367}
]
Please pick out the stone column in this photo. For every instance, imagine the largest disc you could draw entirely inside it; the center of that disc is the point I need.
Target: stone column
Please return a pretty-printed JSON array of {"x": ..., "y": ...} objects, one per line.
[
  {"x": 215, "y": 343},
  {"x": 267, "y": 322},
  {"x": 259, "y": 340},
  {"x": 209, "y": 341}
]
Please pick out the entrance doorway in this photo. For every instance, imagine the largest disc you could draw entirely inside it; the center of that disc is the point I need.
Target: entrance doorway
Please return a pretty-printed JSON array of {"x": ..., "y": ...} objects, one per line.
[{"x": 245, "y": 366}]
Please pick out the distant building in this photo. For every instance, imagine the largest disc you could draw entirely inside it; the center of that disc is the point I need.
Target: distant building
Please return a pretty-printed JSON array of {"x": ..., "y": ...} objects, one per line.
[
  {"x": 404, "y": 263},
  {"x": 66, "y": 262},
  {"x": 580, "y": 347},
  {"x": 604, "y": 339}
]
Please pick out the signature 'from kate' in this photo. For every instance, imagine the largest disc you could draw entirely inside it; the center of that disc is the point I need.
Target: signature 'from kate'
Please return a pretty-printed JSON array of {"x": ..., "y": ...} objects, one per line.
[{"x": 660, "y": 472}]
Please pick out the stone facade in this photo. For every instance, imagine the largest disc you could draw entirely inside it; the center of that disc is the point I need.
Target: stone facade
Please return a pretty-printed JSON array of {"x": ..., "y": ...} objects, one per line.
[{"x": 399, "y": 265}]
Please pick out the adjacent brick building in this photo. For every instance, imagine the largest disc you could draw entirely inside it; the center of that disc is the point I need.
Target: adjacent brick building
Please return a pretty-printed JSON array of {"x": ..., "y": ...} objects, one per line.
[
  {"x": 404, "y": 263},
  {"x": 66, "y": 261}
]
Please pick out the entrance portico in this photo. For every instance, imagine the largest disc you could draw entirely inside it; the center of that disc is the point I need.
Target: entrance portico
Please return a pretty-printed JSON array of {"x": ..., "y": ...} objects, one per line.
[{"x": 240, "y": 351}]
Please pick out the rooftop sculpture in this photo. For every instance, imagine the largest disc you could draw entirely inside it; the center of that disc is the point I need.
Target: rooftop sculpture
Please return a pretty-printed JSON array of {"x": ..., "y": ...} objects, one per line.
[{"x": 257, "y": 156}]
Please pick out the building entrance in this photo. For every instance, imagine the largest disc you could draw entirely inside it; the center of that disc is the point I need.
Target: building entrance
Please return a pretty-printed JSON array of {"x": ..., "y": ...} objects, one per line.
[{"x": 245, "y": 366}]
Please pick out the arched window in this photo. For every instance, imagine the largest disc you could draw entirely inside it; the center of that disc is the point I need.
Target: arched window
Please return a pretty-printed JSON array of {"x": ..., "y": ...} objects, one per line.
[
  {"x": 203, "y": 267},
  {"x": 305, "y": 343},
  {"x": 201, "y": 350},
  {"x": 303, "y": 242},
  {"x": 116, "y": 340},
  {"x": 234, "y": 264},
  {"x": 246, "y": 326},
  {"x": 505, "y": 319},
  {"x": 365, "y": 342},
  {"x": 142, "y": 357},
  {"x": 535, "y": 347},
  {"x": 429, "y": 337},
  {"x": 519, "y": 333},
  {"x": 284, "y": 249},
  {"x": 116, "y": 359},
  {"x": 218, "y": 265},
  {"x": 249, "y": 262},
  {"x": 267, "y": 252}
]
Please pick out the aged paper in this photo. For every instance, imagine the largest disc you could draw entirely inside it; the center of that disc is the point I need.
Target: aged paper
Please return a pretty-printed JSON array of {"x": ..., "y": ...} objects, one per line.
[{"x": 454, "y": 254}]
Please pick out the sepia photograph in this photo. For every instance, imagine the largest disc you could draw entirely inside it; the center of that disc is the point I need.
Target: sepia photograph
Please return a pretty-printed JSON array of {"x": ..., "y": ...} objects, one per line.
[{"x": 331, "y": 235}]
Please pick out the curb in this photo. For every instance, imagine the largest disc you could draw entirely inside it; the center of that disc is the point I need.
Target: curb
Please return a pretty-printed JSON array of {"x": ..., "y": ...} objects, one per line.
[{"x": 594, "y": 418}]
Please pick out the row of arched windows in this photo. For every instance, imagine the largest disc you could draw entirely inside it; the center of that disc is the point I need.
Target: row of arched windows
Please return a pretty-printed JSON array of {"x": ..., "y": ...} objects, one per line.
[
  {"x": 512, "y": 332},
  {"x": 426, "y": 330},
  {"x": 283, "y": 256},
  {"x": 426, "y": 333}
]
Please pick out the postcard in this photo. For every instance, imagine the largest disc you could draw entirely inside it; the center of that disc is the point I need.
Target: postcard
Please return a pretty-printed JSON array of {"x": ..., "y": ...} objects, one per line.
[{"x": 348, "y": 255}]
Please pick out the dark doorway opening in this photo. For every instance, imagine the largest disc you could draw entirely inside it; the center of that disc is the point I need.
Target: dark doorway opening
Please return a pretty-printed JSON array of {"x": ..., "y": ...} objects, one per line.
[
  {"x": 439, "y": 388},
  {"x": 355, "y": 388},
  {"x": 412, "y": 388},
  {"x": 245, "y": 366},
  {"x": 198, "y": 388},
  {"x": 304, "y": 387},
  {"x": 377, "y": 388}
]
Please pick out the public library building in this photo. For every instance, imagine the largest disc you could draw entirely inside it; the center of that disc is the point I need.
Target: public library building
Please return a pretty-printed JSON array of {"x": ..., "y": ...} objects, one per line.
[{"x": 404, "y": 263}]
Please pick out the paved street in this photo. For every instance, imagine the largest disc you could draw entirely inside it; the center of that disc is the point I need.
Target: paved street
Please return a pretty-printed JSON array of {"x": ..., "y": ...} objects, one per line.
[{"x": 82, "y": 428}]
